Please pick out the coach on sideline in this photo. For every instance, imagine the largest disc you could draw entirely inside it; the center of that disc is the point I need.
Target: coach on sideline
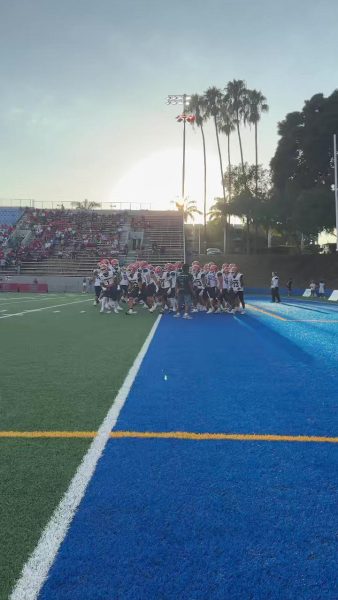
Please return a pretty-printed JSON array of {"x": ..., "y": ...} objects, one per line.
[
  {"x": 275, "y": 288},
  {"x": 184, "y": 291}
]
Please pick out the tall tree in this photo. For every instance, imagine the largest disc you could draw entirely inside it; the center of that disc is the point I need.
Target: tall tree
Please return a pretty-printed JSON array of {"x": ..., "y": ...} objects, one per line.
[
  {"x": 197, "y": 108},
  {"x": 188, "y": 209},
  {"x": 302, "y": 167},
  {"x": 226, "y": 125},
  {"x": 256, "y": 105},
  {"x": 213, "y": 99},
  {"x": 219, "y": 213},
  {"x": 246, "y": 202},
  {"x": 236, "y": 96},
  {"x": 304, "y": 152}
]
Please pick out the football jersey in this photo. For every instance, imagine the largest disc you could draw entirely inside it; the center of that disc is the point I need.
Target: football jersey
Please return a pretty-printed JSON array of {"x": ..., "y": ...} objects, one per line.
[
  {"x": 226, "y": 281},
  {"x": 211, "y": 279},
  {"x": 124, "y": 278},
  {"x": 165, "y": 280},
  {"x": 237, "y": 282},
  {"x": 146, "y": 276},
  {"x": 173, "y": 279}
]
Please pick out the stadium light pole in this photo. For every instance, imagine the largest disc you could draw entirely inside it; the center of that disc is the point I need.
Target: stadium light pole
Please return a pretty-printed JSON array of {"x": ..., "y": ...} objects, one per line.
[
  {"x": 181, "y": 99},
  {"x": 335, "y": 185}
]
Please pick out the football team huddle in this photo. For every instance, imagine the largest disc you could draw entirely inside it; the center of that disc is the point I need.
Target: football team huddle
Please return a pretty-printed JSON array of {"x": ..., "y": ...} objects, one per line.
[{"x": 174, "y": 288}]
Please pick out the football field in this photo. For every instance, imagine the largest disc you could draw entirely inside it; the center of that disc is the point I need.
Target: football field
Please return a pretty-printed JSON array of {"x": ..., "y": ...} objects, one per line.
[{"x": 212, "y": 475}]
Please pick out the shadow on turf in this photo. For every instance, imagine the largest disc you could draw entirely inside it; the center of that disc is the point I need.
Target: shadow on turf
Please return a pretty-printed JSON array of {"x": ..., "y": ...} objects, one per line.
[
  {"x": 276, "y": 340},
  {"x": 295, "y": 305}
]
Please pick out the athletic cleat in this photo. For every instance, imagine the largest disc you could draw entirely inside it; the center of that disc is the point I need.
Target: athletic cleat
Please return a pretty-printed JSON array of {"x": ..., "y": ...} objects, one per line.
[
  {"x": 176, "y": 315},
  {"x": 131, "y": 312},
  {"x": 187, "y": 316},
  {"x": 116, "y": 311}
]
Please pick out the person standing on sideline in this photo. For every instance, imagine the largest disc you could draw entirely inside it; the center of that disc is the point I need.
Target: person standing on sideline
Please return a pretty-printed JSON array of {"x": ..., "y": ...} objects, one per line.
[
  {"x": 275, "y": 287},
  {"x": 84, "y": 285},
  {"x": 289, "y": 286},
  {"x": 321, "y": 289},
  {"x": 313, "y": 287},
  {"x": 184, "y": 292}
]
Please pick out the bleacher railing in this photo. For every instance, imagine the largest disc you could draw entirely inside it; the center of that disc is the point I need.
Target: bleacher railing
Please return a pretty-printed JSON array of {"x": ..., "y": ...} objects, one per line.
[{"x": 69, "y": 205}]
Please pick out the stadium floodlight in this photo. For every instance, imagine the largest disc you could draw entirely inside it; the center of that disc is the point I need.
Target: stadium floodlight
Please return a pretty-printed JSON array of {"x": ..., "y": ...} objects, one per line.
[{"x": 183, "y": 99}]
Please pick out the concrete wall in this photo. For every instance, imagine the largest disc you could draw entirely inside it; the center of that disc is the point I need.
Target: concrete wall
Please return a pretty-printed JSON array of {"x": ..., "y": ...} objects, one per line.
[{"x": 55, "y": 283}]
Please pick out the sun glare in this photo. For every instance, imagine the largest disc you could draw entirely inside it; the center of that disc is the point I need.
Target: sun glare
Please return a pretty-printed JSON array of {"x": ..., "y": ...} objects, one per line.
[{"x": 155, "y": 182}]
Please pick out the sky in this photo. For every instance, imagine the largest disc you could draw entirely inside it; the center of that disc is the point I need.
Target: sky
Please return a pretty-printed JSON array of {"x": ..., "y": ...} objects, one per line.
[{"x": 83, "y": 110}]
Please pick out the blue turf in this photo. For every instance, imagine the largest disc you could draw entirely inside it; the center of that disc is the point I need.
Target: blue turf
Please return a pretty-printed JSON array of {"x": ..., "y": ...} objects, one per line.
[
  {"x": 173, "y": 519},
  {"x": 191, "y": 520}
]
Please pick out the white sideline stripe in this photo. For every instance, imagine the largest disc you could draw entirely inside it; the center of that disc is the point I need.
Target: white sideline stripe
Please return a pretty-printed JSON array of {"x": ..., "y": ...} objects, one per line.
[
  {"x": 27, "y": 300},
  {"x": 31, "y": 310},
  {"x": 36, "y": 299},
  {"x": 36, "y": 569}
]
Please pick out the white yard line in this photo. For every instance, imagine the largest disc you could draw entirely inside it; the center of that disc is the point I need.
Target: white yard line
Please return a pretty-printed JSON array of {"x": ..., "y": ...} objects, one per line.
[
  {"x": 25, "y": 299},
  {"x": 35, "y": 571},
  {"x": 32, "y": 310}
]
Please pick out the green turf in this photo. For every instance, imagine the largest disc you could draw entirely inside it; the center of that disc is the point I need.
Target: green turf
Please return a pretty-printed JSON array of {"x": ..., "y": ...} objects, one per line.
[
  {"x": 58, "y": 371},
  {"x": 34, "y": 474},
  {"x": 62, "y": 370}
]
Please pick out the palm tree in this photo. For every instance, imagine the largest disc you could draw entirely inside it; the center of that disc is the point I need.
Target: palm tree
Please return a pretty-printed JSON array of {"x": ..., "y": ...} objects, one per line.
[
  {"x": 226, "y": 125},
  {"x": 188, "y": 209},
  {"x": 214, "y": 99},
  {"x": 236, "y": 96},
  {"x": 85, "y": 205},
  {"x": 197, "y": 108},
  {"x": 256, "y": 106},
  {"x": 219, "y": 213}
]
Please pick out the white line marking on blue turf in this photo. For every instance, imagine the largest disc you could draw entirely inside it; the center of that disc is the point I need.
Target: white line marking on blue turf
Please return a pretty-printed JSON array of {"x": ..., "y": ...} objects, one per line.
[
  {"x": 36, "y": 569},
  {"x": 31, "y": 310}
]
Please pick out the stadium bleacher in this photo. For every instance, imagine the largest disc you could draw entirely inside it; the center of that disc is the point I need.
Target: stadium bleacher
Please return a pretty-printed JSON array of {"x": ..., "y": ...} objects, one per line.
[
  {"x": 71, "y": 242},
  {"x": 8, "y": 219},
  {"x": 10, "y": 216}
]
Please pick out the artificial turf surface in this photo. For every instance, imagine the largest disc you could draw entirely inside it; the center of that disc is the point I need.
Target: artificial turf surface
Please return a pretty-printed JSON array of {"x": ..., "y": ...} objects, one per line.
[
  {"x": 206, "y": 520},
  {"x": 58, "y": 371},
  {"x": 170, "y": 519},
  {"x": 34, "y": 474}
]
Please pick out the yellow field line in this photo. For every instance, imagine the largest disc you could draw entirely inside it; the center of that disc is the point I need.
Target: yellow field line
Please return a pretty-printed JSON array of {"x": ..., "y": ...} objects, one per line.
[
  {"x": 47, "y": 434},
  {"x": 179, "y": 435},
  {"x": 269, "y": 314}
]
